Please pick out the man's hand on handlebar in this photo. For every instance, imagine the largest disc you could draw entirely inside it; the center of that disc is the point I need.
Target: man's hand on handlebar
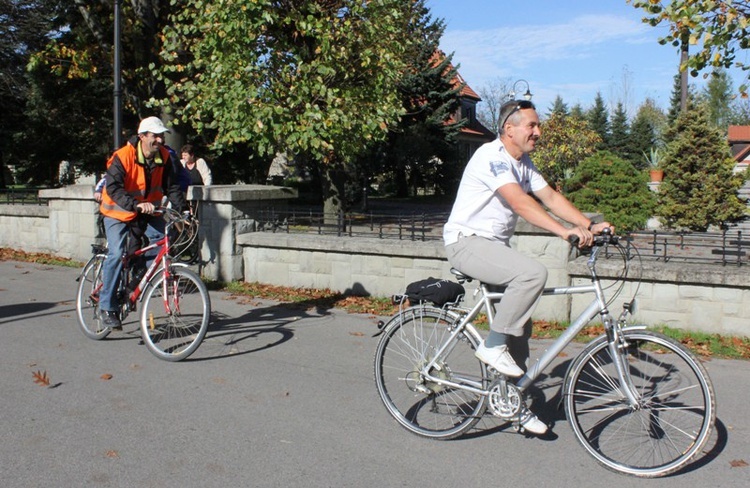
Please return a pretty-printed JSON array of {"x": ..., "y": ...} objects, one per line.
[
  {"x": 145, "y": 208},
  {"x": 583, "y": 237},
  {"x": 601, "y": 226}
]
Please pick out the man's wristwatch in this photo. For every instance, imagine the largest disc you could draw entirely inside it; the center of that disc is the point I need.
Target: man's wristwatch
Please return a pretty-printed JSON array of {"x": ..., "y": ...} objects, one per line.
[{"x": 591, "y": 224}]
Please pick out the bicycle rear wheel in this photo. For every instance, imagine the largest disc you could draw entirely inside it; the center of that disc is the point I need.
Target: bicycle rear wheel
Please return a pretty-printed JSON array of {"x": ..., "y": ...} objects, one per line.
[
  {"x": 675, "y": 415},
  {"x": 427, "y": 408},
  {"x": 87, "y": 299},
  {"x": 175, "y": 314}
]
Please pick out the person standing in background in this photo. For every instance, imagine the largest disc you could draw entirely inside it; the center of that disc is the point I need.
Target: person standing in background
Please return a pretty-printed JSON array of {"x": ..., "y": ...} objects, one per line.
[{"x": 200, "y": 173}]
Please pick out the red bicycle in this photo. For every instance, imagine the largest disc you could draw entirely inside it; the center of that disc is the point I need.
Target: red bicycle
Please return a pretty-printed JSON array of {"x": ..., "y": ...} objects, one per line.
[{"x": 175, "y": 305}]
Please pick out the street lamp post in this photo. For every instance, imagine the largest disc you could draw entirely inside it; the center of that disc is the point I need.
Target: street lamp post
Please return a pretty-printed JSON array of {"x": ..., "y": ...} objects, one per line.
[
  {"x": 118, "y": 89},
  {"x": 513, "y": 91}
]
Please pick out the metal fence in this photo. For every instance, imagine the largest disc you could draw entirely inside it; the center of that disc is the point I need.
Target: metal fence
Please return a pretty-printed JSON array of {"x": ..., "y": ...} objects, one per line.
[
  {"x": 730, "y": 247},
  {"x": 24, "y": 196},
  {"x": 413, "y": 227}
]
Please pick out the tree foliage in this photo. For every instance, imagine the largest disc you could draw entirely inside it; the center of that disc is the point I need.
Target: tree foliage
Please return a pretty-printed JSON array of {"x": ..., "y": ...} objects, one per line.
[
  {"x": 598, "y": 118},
  {"x": 68, "y": 82},
  {"x": 558, "y": 107},
  {"x": 700, "y": 187},
  {"x": 610, "y": 185},
  {"x": 565, "y": 142},
  {"x": 316, "y": 77},
  {"x": 719, "y": 95},
  {"x": 719, "y": 29},
  {"x": 645, "y": 133},
  {"x": 421, "y": 149},
  {"x": 619, "y": 135}
]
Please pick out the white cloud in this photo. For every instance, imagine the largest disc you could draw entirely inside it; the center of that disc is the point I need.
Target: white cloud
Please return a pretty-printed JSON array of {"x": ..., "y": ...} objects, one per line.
[{"x": 510, "y": 49}]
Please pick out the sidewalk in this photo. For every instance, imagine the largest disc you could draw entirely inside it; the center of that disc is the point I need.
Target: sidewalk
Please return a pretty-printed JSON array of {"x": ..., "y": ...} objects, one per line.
[{"x": 277, "y": 396}]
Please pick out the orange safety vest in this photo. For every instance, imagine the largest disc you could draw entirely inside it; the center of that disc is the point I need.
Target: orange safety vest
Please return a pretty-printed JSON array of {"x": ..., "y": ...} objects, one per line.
[{"x": 135, "y": 183}]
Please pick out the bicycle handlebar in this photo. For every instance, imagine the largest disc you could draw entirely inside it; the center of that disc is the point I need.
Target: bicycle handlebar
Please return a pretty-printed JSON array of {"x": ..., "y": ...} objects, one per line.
[{"x": 606, "y": 237}]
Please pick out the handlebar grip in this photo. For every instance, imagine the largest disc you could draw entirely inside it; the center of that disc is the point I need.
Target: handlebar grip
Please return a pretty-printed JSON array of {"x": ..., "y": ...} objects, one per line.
[{"x": 573, "y": 240}]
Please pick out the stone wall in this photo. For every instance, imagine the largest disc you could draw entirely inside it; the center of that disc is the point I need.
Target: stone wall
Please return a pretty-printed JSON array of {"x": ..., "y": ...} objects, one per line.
[
  {"x": 699, "y": 297},
  {"x": 709, "y": 298},
  {"x": 68, "y": 225}
]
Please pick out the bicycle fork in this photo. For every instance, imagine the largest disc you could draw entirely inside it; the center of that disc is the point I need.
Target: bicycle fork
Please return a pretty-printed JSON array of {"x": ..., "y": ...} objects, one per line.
[{"x": 618, "y": 345}]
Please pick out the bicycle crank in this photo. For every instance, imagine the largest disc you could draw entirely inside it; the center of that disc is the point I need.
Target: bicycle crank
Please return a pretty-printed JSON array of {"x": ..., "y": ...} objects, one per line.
[{"x": 504, "y": 399}]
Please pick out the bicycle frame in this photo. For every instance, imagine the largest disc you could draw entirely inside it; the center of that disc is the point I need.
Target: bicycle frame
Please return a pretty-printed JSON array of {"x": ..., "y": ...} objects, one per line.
[
  {"x": 598, "y": 306},
  {"x": 162, "y": 261}
]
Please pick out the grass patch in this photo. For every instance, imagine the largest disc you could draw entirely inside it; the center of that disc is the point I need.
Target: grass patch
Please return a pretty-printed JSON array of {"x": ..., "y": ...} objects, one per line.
[
  {"x": 709, "y": 345},
  {"x": 701, "y": 343}
]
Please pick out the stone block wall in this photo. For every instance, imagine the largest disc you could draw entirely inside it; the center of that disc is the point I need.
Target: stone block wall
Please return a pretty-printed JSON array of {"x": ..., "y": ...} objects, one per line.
[
  {"x": 698, "y": 297},
  {"x": 381, "y": 267}
]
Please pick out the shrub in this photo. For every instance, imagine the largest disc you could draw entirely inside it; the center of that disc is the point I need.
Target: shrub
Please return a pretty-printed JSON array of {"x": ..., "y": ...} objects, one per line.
[{"x": 610, "y": 185}]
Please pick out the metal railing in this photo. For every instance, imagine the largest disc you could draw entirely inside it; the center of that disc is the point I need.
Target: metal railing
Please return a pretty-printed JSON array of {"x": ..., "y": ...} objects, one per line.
[
  {"x": 730, "y": 247},
  {"x": 412, "y": 227},
  {"x": 25, "y": 196}
]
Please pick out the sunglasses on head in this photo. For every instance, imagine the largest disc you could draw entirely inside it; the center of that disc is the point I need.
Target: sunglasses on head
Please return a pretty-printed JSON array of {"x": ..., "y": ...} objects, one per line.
[{"x": 520, "y": 105}]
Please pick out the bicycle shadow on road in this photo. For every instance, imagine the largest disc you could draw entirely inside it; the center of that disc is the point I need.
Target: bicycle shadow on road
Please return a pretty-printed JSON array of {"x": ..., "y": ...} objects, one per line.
[
  {"x": 9, "y": 313},
  {"x": 263, "y": 326}
]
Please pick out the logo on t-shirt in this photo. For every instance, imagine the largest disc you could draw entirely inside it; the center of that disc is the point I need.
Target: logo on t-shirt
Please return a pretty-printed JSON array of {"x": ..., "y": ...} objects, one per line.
[{"x": 498, "y": 167}]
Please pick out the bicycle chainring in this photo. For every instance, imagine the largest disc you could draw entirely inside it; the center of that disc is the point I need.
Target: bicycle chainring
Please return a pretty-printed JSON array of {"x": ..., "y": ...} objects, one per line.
[{"x": 504, "y": 399}]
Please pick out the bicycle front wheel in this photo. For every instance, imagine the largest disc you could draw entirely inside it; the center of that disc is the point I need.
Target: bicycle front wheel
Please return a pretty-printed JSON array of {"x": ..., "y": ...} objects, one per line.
[
  {"x": 87, "y": 299},
  {"x": 676, "y": 405},
  {"x": 175, "y": 314},
  {"x": 422, "y": 405}
]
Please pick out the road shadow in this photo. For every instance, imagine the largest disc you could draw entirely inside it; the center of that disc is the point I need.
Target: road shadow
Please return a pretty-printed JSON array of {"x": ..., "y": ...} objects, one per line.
[
  {"x": 10, "y": 313},
  {"x": 265, "y": 325}
]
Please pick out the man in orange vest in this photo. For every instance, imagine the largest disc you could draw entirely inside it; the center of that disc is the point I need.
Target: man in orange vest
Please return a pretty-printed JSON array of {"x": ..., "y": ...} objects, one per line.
[{"x": 139, "y": 175}]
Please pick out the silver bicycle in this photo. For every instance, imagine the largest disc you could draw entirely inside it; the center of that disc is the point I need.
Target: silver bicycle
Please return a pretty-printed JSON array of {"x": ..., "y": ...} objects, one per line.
[{"x": 639, "y": 402}]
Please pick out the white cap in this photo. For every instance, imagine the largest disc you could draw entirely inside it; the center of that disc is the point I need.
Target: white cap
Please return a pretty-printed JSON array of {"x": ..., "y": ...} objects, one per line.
[{"x": 153, "y": 125}]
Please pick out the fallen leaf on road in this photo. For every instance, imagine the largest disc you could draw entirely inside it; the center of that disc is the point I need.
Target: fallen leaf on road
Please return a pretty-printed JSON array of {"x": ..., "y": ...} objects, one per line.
[
  {"x": 738, "y": 463},
  {"x": 106, "y": 376},
  {"x": 41, "y": 378}
]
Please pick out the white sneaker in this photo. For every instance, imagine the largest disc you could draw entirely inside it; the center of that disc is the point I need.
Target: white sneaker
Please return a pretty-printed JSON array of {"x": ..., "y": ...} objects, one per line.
[
  {"x": 531, "y": 422},
  {"x": 499, "y": 358}
]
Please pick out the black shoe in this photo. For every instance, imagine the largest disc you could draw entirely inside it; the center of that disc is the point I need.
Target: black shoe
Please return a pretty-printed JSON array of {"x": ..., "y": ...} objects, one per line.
[{"x": 111, "y": 320}]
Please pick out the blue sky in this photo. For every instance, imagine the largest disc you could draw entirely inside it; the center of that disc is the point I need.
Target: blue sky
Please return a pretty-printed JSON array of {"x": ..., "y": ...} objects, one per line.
[{"x": 571, "y": 48}]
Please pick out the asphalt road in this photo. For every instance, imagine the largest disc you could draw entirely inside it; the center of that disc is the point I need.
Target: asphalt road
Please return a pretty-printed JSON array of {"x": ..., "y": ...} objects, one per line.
[{"x": 277, "y": 396}]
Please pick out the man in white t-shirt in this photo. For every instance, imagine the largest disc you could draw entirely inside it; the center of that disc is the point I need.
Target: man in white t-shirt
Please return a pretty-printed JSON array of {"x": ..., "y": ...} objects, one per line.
[{"x": 494, "y": 191}]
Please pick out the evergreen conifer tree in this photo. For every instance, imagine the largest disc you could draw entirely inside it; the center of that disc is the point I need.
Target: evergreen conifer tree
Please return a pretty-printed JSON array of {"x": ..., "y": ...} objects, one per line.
[
  {"x": 719, "y": 94},
  {"x": 644, "y": 134},
  {"x": 598, "y": 118},
  {"x": 577, "y": 111},
  {"x": 700, "y": 187},
  {"x": 558, "y": 108},
  {"x": 619, "y": 133}
]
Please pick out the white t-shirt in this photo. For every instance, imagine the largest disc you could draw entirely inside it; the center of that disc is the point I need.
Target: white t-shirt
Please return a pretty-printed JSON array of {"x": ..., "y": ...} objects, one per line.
[{"x": 479, "y": 209}]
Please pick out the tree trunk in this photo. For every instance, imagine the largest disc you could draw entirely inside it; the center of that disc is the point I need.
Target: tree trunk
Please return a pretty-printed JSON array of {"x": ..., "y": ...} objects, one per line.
[
  {"x": 684, "y": 46},
  {"x": 332, "y": 180}
]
